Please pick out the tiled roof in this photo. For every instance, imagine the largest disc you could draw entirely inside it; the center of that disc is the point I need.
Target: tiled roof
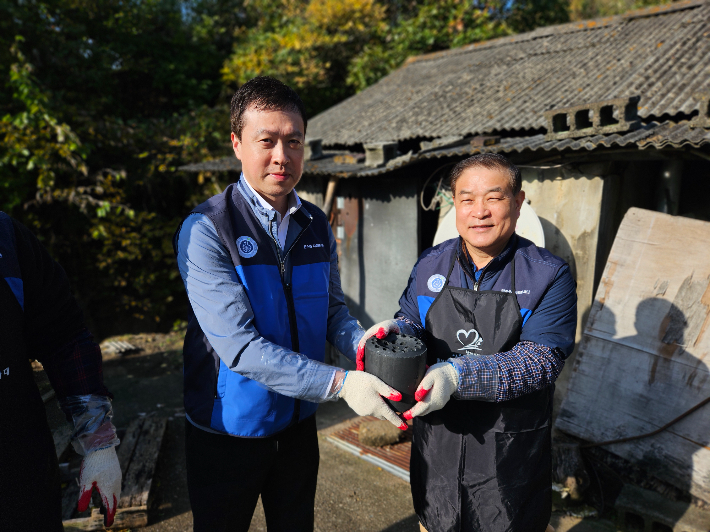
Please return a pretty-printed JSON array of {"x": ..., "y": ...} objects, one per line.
[
  {"x": 654, "y": 135},
  {"x": 661, "y": 54}
]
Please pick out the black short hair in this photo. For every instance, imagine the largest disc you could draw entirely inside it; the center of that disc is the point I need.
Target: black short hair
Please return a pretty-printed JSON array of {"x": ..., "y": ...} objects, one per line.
[
  {"x": 265, "y": 94},
  {"x": 492, "y": 161}
]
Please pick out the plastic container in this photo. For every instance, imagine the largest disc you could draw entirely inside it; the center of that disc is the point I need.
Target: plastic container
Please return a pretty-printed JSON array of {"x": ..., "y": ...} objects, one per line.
[{"x": 398, "y": 360}]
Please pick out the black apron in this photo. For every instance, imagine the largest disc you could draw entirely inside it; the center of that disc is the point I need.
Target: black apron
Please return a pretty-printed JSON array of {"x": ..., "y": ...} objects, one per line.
[{"x": 476, "y": 465}]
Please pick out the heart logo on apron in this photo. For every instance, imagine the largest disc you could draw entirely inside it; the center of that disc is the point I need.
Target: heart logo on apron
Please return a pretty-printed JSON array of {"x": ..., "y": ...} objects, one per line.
[{"x": 477, "y": 340}]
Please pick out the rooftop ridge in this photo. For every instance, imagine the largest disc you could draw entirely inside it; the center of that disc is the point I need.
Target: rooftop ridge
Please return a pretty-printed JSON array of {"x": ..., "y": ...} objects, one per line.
[
  {"x": 659, "y": 54},
  {"x": 561, "y": 29}
]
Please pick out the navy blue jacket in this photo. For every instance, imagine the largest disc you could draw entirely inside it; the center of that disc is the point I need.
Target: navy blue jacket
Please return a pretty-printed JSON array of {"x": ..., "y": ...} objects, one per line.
[
  {"x": 543, "y": 287},
  {"x": 547, "y": 297}
]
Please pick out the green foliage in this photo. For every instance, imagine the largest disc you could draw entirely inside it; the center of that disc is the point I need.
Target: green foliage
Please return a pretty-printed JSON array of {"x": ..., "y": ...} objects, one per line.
[
  {"x": 124, "y": 58},
  {"x": 105, "y": 99},
  {"x": 587, "y": 9},
  {"x": 116, "y": 96},
  {"x": 526, "y": 15},
  {"x": 430, "y": 26},
  {"x": 307, "y": 44},
  {"x": 330, "y": 49},
  {"x": 35, "y": 146}
]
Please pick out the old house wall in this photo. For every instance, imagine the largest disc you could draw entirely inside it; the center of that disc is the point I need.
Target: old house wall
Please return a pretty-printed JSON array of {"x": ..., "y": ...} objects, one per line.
[
  {"x": 312, "y": 188},
  {"x": 377, "y": 254},
  {"x": 572, "y": 203}
]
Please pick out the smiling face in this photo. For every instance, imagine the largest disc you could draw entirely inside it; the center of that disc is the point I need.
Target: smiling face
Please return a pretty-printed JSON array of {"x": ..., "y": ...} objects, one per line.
[
  {"x": 271, "y": 152},
  {"x": 486, "y": 211}
]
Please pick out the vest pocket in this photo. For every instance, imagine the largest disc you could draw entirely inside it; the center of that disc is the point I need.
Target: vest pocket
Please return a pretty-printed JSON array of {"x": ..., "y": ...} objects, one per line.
[
  {"x": 312, "y": 323},
  {"x": 244, "y": 397}
]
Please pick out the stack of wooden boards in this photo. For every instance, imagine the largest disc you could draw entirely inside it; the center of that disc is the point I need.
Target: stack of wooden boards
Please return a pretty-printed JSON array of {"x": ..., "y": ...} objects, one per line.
[
  {"x": 643, "y": 360},
  {"x": 137, "y": 455}
]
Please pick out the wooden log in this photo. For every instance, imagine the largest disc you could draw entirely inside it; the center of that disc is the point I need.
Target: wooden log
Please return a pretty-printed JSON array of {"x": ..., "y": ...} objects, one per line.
[
  {"x": 125, "y": 518},
  {"x": 93, "y": 522}
]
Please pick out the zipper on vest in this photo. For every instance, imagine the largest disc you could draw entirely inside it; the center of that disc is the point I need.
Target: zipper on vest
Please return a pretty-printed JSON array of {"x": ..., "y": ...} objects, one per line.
[
  {"x": 289, "y": 295},
  {"x": 477, "y": 282},
  {"x": 291, "y": 308}
]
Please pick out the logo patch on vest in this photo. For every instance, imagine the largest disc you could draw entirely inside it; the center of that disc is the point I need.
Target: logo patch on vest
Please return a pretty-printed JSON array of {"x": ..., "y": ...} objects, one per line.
[
  {"x": 246, "y": 246},
  {"x": 469, "y": 340},
  {"x": 436, "y": 282}
]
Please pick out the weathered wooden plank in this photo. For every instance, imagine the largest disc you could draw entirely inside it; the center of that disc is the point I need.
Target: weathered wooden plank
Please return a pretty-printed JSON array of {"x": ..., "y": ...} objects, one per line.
[
  {"x": 94, "y": 522},
  {"x": 125, "y": 518},
  {"x": 125, "y": 449},
  {"x": 642, "y": 360},
  {"x": 136, "y": 516},
  {"x": 139, "y": 477},
  {"x": 62, "y": 439}
]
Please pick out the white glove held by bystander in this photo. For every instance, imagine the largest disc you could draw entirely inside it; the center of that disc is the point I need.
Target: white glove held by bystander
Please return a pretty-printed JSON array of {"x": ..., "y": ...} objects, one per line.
[{"x": 100, "y": 470}]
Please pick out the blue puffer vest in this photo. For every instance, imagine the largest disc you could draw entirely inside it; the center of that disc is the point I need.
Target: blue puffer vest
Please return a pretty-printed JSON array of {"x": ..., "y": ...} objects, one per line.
[{"x": 288, "y": 292}]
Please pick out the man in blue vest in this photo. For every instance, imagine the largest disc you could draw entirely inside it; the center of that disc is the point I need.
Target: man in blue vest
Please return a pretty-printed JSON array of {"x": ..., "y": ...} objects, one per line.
[
  {"x": 499, "y": 316},
  {"x": 40, "y": 319},
  {"x": 260, "y": 269}
]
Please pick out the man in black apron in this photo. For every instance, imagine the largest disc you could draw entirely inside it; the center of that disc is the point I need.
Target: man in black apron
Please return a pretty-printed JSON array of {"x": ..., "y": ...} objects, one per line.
[{"x": 499, "y": 317}]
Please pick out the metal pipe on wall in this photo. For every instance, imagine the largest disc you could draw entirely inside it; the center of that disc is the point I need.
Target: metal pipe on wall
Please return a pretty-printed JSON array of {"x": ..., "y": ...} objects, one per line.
[{"x": 668, "y": 192}]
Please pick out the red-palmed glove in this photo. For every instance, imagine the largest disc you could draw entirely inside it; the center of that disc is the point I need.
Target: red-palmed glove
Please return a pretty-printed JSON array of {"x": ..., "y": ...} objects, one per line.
[
  {"x": 363, "y": 393},
  {"x": 380, "y": 330},
  {"x": 440, "y": 381},
  {"x": 100, "y": 470}
]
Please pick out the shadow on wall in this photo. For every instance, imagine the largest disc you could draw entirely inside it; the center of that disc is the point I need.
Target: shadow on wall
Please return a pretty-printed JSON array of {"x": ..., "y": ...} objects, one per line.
[
  {"x": 665, "y": 375},
  {"x": 556, "y": 243}
]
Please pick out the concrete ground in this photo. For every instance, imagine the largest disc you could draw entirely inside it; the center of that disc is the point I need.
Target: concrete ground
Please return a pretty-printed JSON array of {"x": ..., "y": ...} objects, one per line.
[{"x": 352, "y": 495}]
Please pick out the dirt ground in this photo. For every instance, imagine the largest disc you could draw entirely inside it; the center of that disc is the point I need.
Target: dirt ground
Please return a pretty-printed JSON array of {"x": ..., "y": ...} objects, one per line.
[{"x": 352, "y": 495}]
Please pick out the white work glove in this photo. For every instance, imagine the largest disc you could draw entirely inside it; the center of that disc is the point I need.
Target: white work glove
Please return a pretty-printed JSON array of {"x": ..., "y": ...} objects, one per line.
[
  {"x": 100, "y": 470},
  {"x": 440, "y": 381},
  {"x": 380, "y": 330},
  {"x": 363, "y": 393}
]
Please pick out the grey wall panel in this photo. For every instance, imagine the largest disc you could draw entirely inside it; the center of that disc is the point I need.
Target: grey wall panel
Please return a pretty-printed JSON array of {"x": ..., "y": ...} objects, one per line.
[{"x": 378, "y": 253}]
